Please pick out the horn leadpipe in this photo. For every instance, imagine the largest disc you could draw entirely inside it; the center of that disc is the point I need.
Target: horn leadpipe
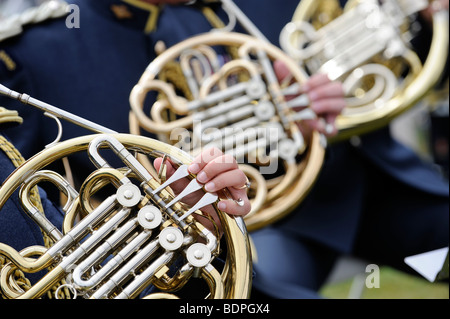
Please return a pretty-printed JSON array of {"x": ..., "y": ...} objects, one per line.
[{"x": 50, "y": 109}]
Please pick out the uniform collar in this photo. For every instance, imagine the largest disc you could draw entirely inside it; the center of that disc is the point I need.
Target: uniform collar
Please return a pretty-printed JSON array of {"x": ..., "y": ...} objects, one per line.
[{"x": 130, "y": 13}]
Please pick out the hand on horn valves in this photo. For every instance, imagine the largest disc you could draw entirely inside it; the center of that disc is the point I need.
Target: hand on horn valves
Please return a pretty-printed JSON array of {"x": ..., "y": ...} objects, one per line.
[
  {"x": 326, "y": 97},
  {"x": 216, "y": 171}
]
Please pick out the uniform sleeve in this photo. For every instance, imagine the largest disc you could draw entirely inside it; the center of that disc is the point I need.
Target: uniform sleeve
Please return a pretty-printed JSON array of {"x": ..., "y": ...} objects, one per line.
[
  {"x": 16, "y": 228},
  {"x": 14, "y": 76}
]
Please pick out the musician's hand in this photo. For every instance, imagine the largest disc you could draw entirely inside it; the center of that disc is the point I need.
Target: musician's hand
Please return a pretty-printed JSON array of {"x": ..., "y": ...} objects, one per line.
[
  {"x": 217, "y": 172},
  {"x": 434, "y": 6},
  {"x": 326, "y": 99}
]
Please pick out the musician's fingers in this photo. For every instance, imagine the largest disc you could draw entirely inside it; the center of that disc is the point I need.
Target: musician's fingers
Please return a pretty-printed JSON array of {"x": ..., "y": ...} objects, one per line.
[
  {"x": 328, "y": 106},
  {"x": 229, "y": 179},
  {"x": 238, "y": 205},
  {"x": 326, "y": 90},
  {"x": 203, "y": 159},
  {"x": 331, "y": 129},
  {"x": 216, "y": 167},
  {"x": 316, "y": 80},
  {"x": 325, "y": 125}
]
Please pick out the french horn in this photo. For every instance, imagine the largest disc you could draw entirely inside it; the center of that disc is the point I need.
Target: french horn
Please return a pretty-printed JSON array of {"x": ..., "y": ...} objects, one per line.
[
  {"x": 237, "y": 104},
  {"x": 126, "y": 234},
  {"x": 367, "y": 46}
]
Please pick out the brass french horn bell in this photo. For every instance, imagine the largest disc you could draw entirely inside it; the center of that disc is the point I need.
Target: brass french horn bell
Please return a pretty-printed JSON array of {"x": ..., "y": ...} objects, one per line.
[
  {"x": 126, "y": 234},
  {"x": 367, "y": 46},
  {"x": 239, "y": 106}
]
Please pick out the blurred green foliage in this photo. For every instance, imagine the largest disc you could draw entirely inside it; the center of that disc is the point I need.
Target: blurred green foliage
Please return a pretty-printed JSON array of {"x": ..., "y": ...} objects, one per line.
[{"x": 393, "y": 285}]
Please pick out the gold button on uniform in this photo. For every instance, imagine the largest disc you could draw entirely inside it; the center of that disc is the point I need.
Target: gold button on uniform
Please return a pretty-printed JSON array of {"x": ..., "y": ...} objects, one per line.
[{"x": 121, "y": 11}]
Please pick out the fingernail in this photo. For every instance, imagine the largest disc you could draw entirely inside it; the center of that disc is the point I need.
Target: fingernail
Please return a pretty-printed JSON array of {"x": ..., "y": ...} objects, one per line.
[
  {"x": 201, "y": 177},
  {"x": 210, "y": 187},
  {"x": 305, "y": 87},
  {"x": 222, "y": 206},
  {"x": 194, "y": 168},
  {"x": 329, "y": 128},
  {"x": 314, "y": 107},
  {"x": 313, "y": 96},
  {"x": 322, "y": 124}
]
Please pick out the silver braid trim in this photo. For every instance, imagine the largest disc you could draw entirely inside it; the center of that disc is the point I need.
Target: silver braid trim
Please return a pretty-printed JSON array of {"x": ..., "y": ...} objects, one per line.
[{"x": 51, "y": 9}]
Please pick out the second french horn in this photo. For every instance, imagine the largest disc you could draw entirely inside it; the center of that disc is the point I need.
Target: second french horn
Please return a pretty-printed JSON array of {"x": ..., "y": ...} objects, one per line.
[{"x": 238, "y": 106}]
